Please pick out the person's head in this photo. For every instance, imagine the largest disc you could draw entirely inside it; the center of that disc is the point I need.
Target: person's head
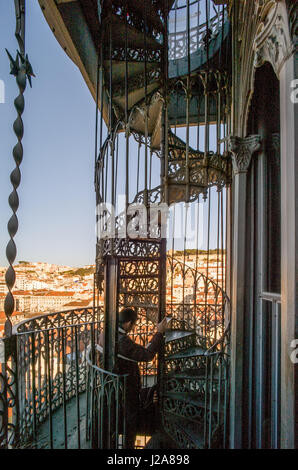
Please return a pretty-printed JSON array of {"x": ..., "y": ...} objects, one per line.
[{"x": 127, "y": 318}]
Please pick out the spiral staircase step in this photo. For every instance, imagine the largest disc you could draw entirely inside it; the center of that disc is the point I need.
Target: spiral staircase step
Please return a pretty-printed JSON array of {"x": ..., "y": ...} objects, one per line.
[
  {"x": 191, "y": 399},
  {"x": 187, "y": 435},
  {"x": 190, "y": 352},
  {"x": 195, "y": 374},
  {"x": 135, "y": 37}
]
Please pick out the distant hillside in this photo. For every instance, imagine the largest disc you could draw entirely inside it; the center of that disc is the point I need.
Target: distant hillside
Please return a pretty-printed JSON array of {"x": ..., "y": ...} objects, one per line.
[
  {"x": 79, "y": 272},
  {"x": 200, "y": 252}
]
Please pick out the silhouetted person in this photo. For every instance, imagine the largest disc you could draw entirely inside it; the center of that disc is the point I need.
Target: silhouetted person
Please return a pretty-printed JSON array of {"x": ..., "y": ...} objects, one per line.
[{"x": 129, "y": 354}]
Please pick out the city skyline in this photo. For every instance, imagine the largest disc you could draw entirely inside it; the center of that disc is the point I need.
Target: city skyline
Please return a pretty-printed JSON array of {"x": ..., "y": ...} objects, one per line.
[{"x": 45, "y": 288}]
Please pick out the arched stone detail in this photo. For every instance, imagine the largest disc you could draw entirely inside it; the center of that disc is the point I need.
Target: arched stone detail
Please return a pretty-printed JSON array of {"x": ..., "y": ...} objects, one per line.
[
  {"x": 273, "y": 42},
  {"x": 264, "y": 38}
]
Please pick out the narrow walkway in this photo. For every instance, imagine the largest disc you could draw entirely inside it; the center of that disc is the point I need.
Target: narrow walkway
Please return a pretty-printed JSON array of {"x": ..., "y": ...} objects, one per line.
[{"x": 43, "y": 436}]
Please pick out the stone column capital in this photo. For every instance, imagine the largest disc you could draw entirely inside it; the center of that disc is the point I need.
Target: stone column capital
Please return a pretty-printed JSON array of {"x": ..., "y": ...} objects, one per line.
[{"x": 242, "y": 150}]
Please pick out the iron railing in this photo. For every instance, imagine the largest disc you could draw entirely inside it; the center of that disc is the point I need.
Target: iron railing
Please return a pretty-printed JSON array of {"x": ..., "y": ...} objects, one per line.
[
  {"x": 206, "y": 410},
  {"x": 45, "y": 370},
  {"x": 202, "y": 399},
  {"x": 106, "y": 405},
  {"x": 208, "y": 311},
  {"x": 178, "y": 40},
  {"x": 8, "y": 392},
  {"x": 43, "y": 399},
  {"x": 216, "y": 424},
  {"x": 208, "y": 413}
]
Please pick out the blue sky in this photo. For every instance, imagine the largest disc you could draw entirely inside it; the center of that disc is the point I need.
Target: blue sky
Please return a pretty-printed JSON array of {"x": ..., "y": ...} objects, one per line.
[{"x": 57, "y": 201}]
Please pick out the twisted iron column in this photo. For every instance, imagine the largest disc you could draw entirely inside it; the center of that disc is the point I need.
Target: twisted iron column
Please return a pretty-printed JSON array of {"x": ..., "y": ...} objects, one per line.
[{"x": 21, "y": 69}]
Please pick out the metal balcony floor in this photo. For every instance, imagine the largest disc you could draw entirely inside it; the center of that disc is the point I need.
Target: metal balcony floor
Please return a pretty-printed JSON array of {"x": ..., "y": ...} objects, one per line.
[{"x": 43, "y": 433}]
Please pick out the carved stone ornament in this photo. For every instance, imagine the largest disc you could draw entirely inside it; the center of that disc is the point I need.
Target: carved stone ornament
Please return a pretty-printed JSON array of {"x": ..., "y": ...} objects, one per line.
[
  {"x": 242, "y": 151},
  {"x": 266, "y": 34}
]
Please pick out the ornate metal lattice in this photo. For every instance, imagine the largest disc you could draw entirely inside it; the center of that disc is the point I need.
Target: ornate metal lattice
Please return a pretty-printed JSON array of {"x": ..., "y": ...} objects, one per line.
[
  {"x": 207, "y": 309},
  {"x": 178, "y": 40},
  {"x": 139, "y": 287},
  {"x": 105, "y": 392}
]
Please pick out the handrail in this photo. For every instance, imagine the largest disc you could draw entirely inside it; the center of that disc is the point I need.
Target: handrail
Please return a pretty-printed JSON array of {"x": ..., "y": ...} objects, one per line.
[
  {"x": 197, "y": 33},
  {"x": 24, "y": 333},
  {"x": 219, "y": 341},
  {"x": 200, "y": 276},
  {"x": 105, "y": 390},
  {"x": 45, "y": 316},
  {"x": 106, "y": 372}
]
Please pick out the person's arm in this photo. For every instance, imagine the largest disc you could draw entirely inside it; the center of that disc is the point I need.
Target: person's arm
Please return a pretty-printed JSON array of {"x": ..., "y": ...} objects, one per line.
[
  {"x": 132, "y": 350},
  {"x": 138, "y": 353}
]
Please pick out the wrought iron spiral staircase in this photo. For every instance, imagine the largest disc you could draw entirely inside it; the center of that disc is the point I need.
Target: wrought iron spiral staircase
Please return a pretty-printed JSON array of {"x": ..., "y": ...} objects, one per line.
[
  {"x": 151, "y": 90},
  {"x": 196, "y": 368},
  {"x": 144, "y": 93}
]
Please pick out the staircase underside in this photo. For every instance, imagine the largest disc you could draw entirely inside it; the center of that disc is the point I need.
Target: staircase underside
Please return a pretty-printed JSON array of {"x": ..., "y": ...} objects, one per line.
[{"x": 77, "y": 28}]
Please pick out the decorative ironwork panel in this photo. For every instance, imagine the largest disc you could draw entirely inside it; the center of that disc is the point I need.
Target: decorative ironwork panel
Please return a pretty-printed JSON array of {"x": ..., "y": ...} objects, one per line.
[
  {"x": 8, "y": 394},
  {"x": 187, "y": 385},
  {"x": 126, "y": 248},
  {"x": 180, "y": 344},
  {"x": 185, "y": 408},
  {"x": 207, "y": 310},
  {"x": 178, "y": 41},
  {"x": 184, "y": 363},
  {"x": 135, "y": 18},
  {"x": 183, "y": 439},
  {"x": 52, "y": 365},
  {"x": 140, "y": 288},
  {"x": 135, "y": 55}
]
